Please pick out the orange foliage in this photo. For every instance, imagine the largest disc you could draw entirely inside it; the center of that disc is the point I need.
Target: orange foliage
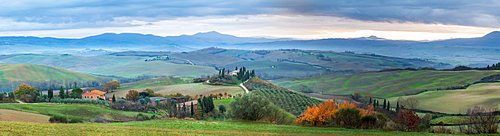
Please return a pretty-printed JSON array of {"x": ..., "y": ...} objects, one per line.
[{"x": 319, "y": 115}]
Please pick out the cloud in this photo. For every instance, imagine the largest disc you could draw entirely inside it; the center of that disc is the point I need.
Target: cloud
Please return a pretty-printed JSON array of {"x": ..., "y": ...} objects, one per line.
[{"x": 459, "y": 12}]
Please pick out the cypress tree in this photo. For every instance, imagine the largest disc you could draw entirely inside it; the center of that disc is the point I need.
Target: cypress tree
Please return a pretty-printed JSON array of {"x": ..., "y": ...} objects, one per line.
[
  {"x": 370, "y": 102},
  {"x": 50, "y": 94},
  {"x": 397, "y": 106},
  {"x": 192, "y": 109},
  {"x": 114, "y": 98},
  {"x": 61, "y": 93},
  {"x": 385, "y": 104},
  {"x": 388, "y": 105}
]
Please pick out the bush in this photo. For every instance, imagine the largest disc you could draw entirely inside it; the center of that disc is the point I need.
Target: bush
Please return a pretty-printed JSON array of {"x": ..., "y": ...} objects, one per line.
[
  {"x": 407, "y": 120},
  {"x": 58, "y": 119},
  {"x": 256, "y": 108},
  {"x": 348, "y": 118},
  {"x": 442, "y": 130},
  {"x": 368, "y": 122}
]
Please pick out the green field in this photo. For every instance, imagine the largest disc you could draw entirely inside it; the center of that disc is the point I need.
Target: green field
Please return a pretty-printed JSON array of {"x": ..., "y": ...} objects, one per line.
[
  {"x": 83, "y": 112},
  {"x": 155, "y": 83},
  {"x": 12, "y": 75},
  {"x": 184, "y": 127},
  {"x": 458, "y": 101},
  {"x": 191, "y": 89},
  {"x": 108, "y": 65},
  {"x": 387, "y": 84}
]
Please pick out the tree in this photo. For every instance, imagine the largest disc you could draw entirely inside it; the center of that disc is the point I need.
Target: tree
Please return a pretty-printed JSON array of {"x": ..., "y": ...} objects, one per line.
[
  {"x": 222, "y": 109},
  {"x": 407, "y": 120},
  {"x": 255, "y": 107},
  {"x": 408, "y": 103},
  {"x": 132, "y": 95},
  {"x": 76, "y": 93},
  {"x": 114, "y": 98},
  {"x": 388, "y": 105},
  {"x": 62, "y": 95},
  {"x": 26, "y": 93},
  {"x": 50, "y": 94},
  {"x": 110, "y": 86},
  {"x": 385, "y": 104}
]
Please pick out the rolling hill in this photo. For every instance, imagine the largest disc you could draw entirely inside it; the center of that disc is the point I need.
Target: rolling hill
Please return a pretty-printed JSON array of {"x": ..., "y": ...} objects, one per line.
[
  {"x": 459, "y": 101},
  {"x": 387, "y": 84},
  {"x": 173, "y": 85},
  {"x": 13, "y": 74},
  {"x": 110, "y": 65},
  {"x": 276, "y": 64}
]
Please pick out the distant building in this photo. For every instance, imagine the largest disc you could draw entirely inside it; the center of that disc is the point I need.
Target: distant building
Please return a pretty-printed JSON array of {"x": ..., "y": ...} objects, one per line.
[{"x": 94, "y": 95}]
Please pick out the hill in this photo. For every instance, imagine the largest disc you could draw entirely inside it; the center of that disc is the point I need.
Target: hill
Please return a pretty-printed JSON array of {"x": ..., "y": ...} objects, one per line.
[
  {"x": 13, "y": 74},
  {"x": 191, "y": 89},
  {"x": 185, "y": 127},
  {"x": 83, "y": 112},
  {"x": 292, "y": 102},
  {"x": 276, "y": 64},
  {"x": 110, "y": 65},
  {"x": 387, "y": 84},
  {"x": 459, "y": 101},
  {"x": 12, "y": 115}
]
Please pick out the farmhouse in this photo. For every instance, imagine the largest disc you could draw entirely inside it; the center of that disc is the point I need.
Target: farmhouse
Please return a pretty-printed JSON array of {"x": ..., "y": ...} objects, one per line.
[{"x": 94, "y": 95}]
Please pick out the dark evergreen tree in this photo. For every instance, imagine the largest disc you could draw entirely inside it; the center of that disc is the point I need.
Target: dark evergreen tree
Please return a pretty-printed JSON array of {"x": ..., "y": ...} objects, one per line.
[
  {"x": 62, "y": 95},
  {"x": 192, "y": 109},
  {"x": 370, "y": 102},
  {"x": 50, "y": 94},
  {"x": 114, "y": 98},
  {"x": 385, "y": 104},
  {"x": 397, "y": 107},
  {"x": 388, "y": 105}
]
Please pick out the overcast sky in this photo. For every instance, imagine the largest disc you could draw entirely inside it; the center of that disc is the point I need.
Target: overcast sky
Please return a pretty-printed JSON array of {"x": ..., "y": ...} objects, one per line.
[{"x": 301, "y": 19}]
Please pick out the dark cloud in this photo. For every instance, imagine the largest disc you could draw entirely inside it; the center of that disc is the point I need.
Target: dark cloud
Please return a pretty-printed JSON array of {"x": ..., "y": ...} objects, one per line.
[{"x": 461, "y": 12}]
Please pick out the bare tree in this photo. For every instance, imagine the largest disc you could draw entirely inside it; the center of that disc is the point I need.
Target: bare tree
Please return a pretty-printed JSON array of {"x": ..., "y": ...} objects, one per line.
[
  {"x": 408, "y": 103},
  {"x": 480, "y": 120}
]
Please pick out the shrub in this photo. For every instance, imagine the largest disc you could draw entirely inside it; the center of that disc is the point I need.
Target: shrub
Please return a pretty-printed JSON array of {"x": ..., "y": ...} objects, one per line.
[
  {"x": 442, "y": 130},
  {"x": 480, "y": 120},
  {"x": 58, "y": 119},
  {"x": 407, "y": 120},
  {"x": 348, "y": 118},
  {"x": 368, "y": 122}
]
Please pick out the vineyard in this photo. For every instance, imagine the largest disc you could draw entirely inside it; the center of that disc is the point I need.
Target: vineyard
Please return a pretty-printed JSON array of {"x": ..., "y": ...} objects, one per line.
[{"x": 291, "y": 102}]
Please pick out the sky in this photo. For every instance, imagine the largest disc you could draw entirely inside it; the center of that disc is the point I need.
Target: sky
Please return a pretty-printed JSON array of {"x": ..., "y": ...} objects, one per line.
[{"x": 299, "y": 19}]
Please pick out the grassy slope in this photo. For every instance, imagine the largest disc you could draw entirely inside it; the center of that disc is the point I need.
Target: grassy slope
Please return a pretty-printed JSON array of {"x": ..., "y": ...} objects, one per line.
[
  {"x": 458, "y": 101},
  {"x": 191, "y": 89},
  {"x": 28, "y": 72},
  {"x": 153, "y": 83},
  {"x": 12, "y": 115},
  {"x": 125, "y": 66},
  {"x": 73, "y": 111},
  {"x": 182, "y": 127},
  {"x": 388, "y": 84}
]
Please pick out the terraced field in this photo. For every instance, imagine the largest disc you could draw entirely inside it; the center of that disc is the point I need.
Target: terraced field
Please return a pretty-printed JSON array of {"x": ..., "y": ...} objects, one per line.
[
  {"x": 191, "y": 89},
  {"x": 458, "y": 101},
  {"x": 387, "y": 84},
  {"x": 185, "y": 127}
]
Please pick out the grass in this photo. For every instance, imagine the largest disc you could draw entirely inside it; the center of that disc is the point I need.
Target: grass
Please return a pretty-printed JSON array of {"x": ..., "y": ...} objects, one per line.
[
  {"x": 108, "y": 65},
  {"x": 225, "y": 102},
  {"x": 154, "y": 83},
  {"x": 39, "y": 73},
  {"x": 387, "y": 84},
  {"x": 458, "y": 101},
  {"x": 83, "y": 112},
  {"x": 184, "y": 127},
  {"x": 12, "y": 115},
  {"x": 191, "y": 89}
]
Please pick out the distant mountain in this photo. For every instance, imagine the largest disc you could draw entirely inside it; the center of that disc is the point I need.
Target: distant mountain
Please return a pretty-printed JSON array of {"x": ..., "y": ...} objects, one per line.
[
  {"x": 212, "y": 38},
  {"x": 463, "y": 51}
]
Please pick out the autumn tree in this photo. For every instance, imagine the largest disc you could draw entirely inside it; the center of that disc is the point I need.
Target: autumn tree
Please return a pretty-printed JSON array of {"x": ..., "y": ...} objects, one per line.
[
  {"x": 110, "y": 86},
  {"x": 407, "y": 120},
  {"x": 132, "y": 95},
  {"x": 26, "y": 93}
]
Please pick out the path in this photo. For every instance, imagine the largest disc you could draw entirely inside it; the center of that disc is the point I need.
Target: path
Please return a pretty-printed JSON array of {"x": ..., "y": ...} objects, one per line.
[
  {"x": 21, "y": 102},
  {"x": 244, "y": 88}
]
